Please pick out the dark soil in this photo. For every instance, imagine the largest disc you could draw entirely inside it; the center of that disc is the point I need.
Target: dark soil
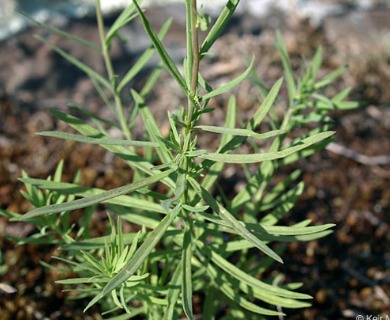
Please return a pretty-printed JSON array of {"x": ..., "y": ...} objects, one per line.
[{"x": 347, "y": 272}]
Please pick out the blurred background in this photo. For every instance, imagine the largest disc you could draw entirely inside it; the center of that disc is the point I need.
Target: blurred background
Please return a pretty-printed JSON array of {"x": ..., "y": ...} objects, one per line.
[{"x": 347, "y": 272}]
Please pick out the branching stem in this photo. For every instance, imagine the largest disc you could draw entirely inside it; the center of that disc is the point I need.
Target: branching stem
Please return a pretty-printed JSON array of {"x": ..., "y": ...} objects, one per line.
[{"x": 110, "y": 71}]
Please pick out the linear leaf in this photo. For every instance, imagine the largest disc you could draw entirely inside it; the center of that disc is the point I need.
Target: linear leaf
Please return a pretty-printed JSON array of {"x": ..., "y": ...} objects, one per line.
[
  {"x": 316, "y": 62},
  {"x": 348, "y": 105},
  {"x": 124, "y": 18},
  {"x": 152, "y": 128},
  {"x": 248, "y": 279},
  {"x": 88, "y": 70},
  {"x": 166, "y": 59},
  {"x": 230, "y": 84},
  {"x": 187, "y": 274},
  {"x": 281, "y": 46},
  {"x": 238, "y": 226},
  {"x": 259, "y": 157},
  {"x": 237, "y": 140},
  {"x": 131, "y": 158},
  {"x": 279, "y": 191},
  {"x": 142, "y": 253},
  {"x": 81, "y": 191},
  {"x": 217, "y": 167},
  {"x": 240, "y": 132},
  {"x": 229, "y": 292},
  {"x": 230, "y": 120},
  {"x": 92, "y": 116},
  {"x": 218, "y": 26},
  {"x": 197, "y": 209},
  {"x": 328, "y": 79},
  {"x": 142, "y": 61},
  {"x": 287, "y": 231},
  {"x": 343, "y": 94},
  {"x": 280, "y": 206},
  {"x": 265, "y": 106},
  {"x": 63, "y": 33},
  {"x": 106, "y": 141},
  {"x": 99, "y": 242},
  {"x": 173, "y": 292},
  {"x": 88, "y": 201},
  {"x": 81, "y": 280},
  {"x": 239, "y": 245}
]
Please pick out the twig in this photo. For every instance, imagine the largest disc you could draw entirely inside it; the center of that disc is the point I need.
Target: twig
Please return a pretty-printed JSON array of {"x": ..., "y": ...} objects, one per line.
[
  {"x": 378, "y": 290},
  {"x": 358, "y": 157}
]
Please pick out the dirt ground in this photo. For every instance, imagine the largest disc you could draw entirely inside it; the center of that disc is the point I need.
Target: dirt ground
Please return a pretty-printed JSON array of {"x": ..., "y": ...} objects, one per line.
[{"x": 347, "y": 273}]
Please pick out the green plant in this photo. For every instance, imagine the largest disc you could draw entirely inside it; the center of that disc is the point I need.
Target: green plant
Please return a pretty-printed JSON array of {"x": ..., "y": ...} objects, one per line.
[{"x": 194, "y": 239}]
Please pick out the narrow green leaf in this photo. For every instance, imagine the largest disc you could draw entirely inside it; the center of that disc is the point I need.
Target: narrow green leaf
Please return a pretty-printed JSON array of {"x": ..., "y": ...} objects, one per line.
[
  {"x": 230, "y": 121},
  {"x": 219, "y": 26},
  {"x": 281, "y": 46},
  {"x": 63, "y": 33},
  {"x": 195, "y": 209},
  {"x": 187, "y": 274},
  {"x": 339, "y": 97},
  {"x": 106, "y": 141},
  {"x": 88, "y": 201},
  {"x": 237, "y": 140},
  {"x": 244, "y": 277},
  {"x": 9, "y": 214},
  {"x": 257, "y": 118},
  {"x": 166, "y": 59},
  {"x": 348, "y": 105},
  {"x": 81, "y": 280},
  {"x": 281, "y": 206},
  {"x": 310, "y": 150},
  {"x": 239, "y": 245},
  {"x": 124, "y": 18},
  {"x": 259, "y": 157},
  {"x": 143, "y": 60},
  {"x": 216, "y": 168},
  {"x": 240, "y": 132},
  {"x": 88, "y": 70},
  {"x": 230, "y": 84},
  {"x": 58, "y": 172},
  {"x": 81, "y": 191},
  {"x": 91, "y": 115},
  {"x": 287, "y": 231},
  {"x": 311, "y": 117},
  {"x": 179, "y": 191},
  {"x": 131, "y": 158},
  {"x": 229, "y": 292},
  {"x": 278, "y": 191},
  {"x": 173, "y": 292},
  {"x": 98, "y": 297},
  {"x": 123, "y": 300},
  {"x": 98, "y": 243},
  {"x": 328, "y": 79},
  {"x": 152, "y": 128},
  {"x": 151, "y": 81},
  {"x": 238, "y": 226},
  {"x": 316, "y": 62},
  {"x": 142, "y": 253}
]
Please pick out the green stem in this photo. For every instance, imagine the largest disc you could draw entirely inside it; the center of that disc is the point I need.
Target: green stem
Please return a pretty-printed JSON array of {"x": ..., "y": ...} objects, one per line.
[
  {"x": 110, "y": 71},
  {"x": 195, "y": 48},
  {"x": 193, "y": 56}
]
